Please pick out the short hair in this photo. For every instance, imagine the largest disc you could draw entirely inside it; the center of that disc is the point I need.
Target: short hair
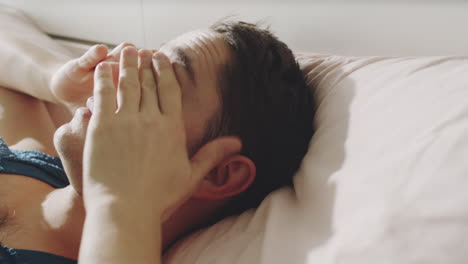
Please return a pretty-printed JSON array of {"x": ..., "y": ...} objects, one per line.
[{"x": 265, "y": 102}]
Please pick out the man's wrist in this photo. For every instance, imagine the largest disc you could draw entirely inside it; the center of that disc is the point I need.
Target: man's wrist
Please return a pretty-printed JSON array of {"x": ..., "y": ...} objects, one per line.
[
  {"x": 123, "y": 209},
  {"x": 125, "y": 235}
]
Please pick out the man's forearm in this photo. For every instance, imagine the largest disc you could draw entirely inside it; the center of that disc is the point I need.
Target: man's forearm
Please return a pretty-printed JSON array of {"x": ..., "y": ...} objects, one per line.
[
  {"x": 28, "y": 58},
  {"x": 115, "y": 235}
]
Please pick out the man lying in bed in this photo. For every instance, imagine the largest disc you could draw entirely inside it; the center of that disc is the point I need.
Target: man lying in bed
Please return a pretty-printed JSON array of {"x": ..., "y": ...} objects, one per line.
[{"x": 236, "y": 79}]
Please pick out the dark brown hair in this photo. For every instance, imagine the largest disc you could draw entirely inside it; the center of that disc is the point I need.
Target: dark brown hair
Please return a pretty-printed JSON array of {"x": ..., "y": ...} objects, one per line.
[{"x": 266, "y": 102}]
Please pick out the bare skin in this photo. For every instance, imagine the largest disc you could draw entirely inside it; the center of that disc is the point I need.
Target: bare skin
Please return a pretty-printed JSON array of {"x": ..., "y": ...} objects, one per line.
[{"x": 51, "y": 220}]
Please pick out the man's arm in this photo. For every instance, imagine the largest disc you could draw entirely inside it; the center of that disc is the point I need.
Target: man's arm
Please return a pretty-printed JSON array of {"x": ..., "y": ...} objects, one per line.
[
  {"x": 126, "y": 200},
  {"x": 28, "y": 60},
  {"x": 28, "y": 57},
  {"x": 115, "y": 234}
]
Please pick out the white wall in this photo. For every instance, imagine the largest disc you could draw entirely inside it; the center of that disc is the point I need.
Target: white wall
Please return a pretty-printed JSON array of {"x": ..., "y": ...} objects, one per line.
[{"x": 415, "y": 27}]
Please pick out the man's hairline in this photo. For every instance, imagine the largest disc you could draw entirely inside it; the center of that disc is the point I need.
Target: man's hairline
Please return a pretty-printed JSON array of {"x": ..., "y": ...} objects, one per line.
[{"x": 214, "y": 127}]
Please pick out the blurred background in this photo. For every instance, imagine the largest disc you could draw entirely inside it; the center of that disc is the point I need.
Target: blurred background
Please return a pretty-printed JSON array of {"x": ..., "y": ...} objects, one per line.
[{"x": 346, "y": 27}]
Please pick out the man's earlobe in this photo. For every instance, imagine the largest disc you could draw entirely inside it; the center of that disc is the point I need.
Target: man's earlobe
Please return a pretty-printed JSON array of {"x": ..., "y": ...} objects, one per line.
[{"x": 231, "y": 177}]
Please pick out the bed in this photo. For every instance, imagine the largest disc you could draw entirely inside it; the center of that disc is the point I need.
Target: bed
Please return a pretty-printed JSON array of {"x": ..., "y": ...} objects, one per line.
[{"x": 385, "y": 179}]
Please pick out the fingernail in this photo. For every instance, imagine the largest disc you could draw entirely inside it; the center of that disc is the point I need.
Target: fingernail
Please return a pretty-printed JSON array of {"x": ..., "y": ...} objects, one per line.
[
  {"x": 101, "y": 46},
  {"x": 155, "y": 61},
  {"x": 144, "y": 53},
  {"x": 98, "y": 47},
  {"x": 90, "y": 103},
  {"x": 158, "y": 56},
  {"x": 130, "y": 51},
  {"x": 103, "y": 66},
  {"x": 126, "y": 44}
]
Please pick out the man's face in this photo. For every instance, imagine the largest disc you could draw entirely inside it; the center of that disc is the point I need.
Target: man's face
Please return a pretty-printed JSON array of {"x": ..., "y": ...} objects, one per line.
[{"x": 196, "y": 58}]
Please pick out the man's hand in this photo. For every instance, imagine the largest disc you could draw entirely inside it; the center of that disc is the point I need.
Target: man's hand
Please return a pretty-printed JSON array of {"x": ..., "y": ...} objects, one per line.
[
  {"x": 135, "y": 148},
  {"x": 135, "y": 160},
  {"x": 72, "y": 84}
]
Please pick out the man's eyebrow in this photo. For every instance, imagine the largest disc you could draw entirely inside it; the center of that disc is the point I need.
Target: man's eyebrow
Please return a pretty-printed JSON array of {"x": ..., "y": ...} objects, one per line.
[{"x": 186, "y": 62}]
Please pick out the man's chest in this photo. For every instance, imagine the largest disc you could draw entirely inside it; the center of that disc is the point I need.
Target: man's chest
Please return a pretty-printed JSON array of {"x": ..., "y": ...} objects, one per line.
[{"x": 26, "y": 220}]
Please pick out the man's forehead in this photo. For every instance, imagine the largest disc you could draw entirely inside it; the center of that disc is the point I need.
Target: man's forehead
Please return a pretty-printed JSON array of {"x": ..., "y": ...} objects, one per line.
[
  {"x": 198, "y": 44},
  {"x": 201, "y": 48},
  {"x": 185, "y": 51},
  {"x": 199, "y": 51},
  {"x": 187, "y": 40}
]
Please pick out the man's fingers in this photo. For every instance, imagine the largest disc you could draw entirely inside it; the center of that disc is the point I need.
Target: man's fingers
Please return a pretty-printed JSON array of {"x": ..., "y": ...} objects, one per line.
[
  {"x": 92, "y": 57},
  {"x": 149, "y": 101},
  {"x": 90, "y": 103},
  {"x": 169, "y": 94},
  {"x": 114, "y": 55},
  {"x": 104, "y": 91},
  {"x": 128, "y": 95},
  {"x": 211, "y": 154},
  {"x": 115, "y": 72}
]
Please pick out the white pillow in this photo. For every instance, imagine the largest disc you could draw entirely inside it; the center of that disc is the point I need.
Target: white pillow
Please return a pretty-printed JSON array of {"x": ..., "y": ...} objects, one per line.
[{"x": 385, "y": 179}]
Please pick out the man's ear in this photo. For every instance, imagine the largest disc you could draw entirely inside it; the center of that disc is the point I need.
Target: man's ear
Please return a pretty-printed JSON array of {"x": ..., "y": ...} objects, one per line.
[{"x": 233, "y": 176}]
